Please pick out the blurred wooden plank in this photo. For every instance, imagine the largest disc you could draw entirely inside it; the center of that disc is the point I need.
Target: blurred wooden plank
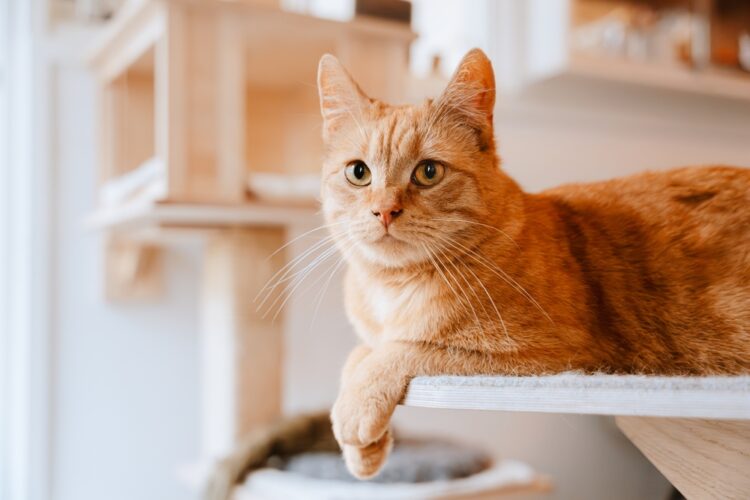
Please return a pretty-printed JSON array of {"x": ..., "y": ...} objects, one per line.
[
  {"x": 709, "y": 82},
  {"x": 701, "y": 458},
  {"x": 133, "y": 269},
  {"x": 136, "y": 215}
]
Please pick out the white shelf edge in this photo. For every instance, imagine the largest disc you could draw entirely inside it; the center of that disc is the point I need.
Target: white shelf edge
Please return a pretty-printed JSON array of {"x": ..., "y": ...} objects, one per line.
[{"x": 627, "y": 395}]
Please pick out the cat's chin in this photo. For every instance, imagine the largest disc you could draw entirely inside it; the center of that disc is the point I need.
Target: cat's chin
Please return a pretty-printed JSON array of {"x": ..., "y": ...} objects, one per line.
[{"x": 391, "y": 252}]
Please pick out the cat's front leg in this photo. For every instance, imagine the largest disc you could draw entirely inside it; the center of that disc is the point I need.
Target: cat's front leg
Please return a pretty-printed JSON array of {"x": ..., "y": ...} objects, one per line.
[
  {"x": 352, "y": 361},
  {"x": 368, "y": 396}
]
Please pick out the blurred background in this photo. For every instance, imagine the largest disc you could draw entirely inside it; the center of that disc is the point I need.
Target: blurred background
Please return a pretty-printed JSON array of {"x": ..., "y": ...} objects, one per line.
[{"x": 155, "y": 153}]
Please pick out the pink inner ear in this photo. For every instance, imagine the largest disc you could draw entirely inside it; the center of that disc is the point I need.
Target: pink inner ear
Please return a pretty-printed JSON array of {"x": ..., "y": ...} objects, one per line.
[
  {"x": 472, "y": 87},
  {"x": 485, "y": 100}
]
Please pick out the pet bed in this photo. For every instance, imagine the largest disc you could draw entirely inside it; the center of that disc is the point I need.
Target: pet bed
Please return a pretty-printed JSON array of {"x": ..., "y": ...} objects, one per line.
[{"x": 297, "y": 458}]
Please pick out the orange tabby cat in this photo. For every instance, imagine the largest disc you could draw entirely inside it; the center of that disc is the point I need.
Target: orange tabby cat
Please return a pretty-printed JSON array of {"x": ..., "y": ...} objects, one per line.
[{"x": 453, "y": 269}]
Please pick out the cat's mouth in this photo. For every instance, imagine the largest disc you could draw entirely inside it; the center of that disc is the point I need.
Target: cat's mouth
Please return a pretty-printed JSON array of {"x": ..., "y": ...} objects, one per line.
[
  {"x": 386, "y": 238},
  {"x": 386, "y": 241},
  {"x": 391, "y": 250}
]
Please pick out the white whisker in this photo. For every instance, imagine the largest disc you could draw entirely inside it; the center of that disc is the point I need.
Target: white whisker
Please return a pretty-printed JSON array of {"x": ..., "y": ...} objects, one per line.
[
  {"x": 489, "y": 296},
  {"x": 483, "y": 225},
  {"x": 279, "y": 275},
  {"x": 299, "y": 280},
  {"x": 498, "y": 271},
  {"x": 468, "y": 285},
  {"x": 445, "y": 279},
  {"x": 324, "y": 226},
  {"x": 331, "y": 274}
]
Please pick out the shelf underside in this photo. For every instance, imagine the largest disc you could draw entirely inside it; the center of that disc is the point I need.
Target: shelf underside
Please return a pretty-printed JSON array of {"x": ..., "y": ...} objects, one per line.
[{"x": 631, "y": 395}]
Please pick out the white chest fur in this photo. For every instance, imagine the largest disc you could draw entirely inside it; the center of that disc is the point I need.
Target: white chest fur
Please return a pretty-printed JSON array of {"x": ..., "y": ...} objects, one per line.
[{"x": 390, "y": 304}]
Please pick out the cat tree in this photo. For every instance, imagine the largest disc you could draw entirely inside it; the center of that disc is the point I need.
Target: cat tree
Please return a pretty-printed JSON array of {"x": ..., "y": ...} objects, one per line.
[{"x": 197, "y": 97}]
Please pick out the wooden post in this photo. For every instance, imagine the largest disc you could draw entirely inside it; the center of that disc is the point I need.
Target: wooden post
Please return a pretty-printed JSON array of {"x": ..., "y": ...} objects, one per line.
[
  {"x": 241, "y": 350},
  {"x": 198, "y": 93},
  {"x": 701, "y": 458}
]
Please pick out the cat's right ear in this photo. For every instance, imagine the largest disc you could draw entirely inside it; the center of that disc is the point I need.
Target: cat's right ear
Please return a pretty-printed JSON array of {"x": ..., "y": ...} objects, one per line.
[{"x": 340, "y": 96}]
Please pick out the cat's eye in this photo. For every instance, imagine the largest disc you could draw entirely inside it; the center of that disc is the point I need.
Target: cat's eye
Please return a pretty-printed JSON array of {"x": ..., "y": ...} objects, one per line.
[
  {"x": 428, "y": 173},
  {"x": 358, "y": 174}
]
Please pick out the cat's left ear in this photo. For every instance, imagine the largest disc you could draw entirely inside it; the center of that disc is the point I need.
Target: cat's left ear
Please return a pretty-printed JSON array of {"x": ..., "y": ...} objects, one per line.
[
  {"x": 471, "y": 90},
  {"x": 340, "y": 96}
]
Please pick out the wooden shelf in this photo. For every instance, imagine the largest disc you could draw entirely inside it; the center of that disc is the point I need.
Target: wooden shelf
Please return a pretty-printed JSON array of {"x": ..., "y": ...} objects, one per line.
[
  {"x": 209, "y": 121},
  {"x": 296, "y": 35},
  {"x": 631, "y": 395},
  {"x": 198, "y": 216},
  {"x": 711, "y": 82}
]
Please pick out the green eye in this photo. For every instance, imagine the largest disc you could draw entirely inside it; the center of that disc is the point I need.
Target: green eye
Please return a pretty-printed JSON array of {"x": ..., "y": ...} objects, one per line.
[
  {"x": 428, "y": 173},
  {"x": 358, "y": 174}
]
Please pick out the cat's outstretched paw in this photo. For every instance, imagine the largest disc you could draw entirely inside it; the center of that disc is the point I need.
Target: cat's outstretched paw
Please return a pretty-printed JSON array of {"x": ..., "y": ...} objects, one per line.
[
  {"x": 359, "y": 420},
  {"x": 366, "y": 462}
]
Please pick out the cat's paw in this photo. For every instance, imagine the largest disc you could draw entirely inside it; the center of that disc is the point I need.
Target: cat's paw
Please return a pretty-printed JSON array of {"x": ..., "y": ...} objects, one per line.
[
  {"x": 366, "y": 462},
  {"x": 359, "y": 419}
]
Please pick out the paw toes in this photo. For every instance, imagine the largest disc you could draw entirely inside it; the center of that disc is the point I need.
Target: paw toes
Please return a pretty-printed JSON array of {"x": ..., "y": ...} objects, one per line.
[
  {"x": 365, "y": 462},
  {"x": 370, "y": 430},
  {"x": 358, "y": 428}
]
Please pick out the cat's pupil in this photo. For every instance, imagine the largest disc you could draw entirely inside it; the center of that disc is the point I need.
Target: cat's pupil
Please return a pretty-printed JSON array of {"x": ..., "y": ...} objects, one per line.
[
  {"x": 430, "y": 170},
  {"x": 359, "y": 170}
]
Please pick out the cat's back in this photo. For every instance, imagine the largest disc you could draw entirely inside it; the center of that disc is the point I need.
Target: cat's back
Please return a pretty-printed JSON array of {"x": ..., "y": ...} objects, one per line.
[
  {"x": 665, "y": 252},
  {"x": 687, "y": 217},
  {"x": 704, "y": 201},
  {"x": 684, "y": 186}
]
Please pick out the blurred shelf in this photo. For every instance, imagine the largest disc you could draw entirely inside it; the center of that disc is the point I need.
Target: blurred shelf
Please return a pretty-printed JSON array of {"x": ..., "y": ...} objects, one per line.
[
  {"x": 167, "y": 215},
  {"x": 138, "y": 25},
  {"x": 621, "y": 395},
  {"x": 710, "y": 82}
]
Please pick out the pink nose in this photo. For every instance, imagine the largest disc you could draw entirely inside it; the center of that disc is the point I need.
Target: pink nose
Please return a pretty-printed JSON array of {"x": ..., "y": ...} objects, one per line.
[{"x": 386, "y": 215}]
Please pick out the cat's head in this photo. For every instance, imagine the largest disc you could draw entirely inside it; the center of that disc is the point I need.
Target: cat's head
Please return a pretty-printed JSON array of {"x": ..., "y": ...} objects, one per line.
[{"x": 403, "y": 182}]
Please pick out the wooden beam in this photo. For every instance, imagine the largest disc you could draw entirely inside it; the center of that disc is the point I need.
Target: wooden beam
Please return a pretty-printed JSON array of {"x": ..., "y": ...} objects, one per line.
[
  {"x": 133, "y": 270},
  {"x": 241, "y": 349},
  {"x": 701, "y": 458}
]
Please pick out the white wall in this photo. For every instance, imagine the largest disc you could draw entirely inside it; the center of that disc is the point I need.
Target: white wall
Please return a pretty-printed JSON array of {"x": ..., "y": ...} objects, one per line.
[
  {"x": 574, "y": 129},
  {"x": 124, "y": 377}
]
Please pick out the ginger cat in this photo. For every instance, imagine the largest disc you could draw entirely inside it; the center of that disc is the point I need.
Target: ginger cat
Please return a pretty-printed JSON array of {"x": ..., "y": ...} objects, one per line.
[{"x": 453, "y": 269}]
